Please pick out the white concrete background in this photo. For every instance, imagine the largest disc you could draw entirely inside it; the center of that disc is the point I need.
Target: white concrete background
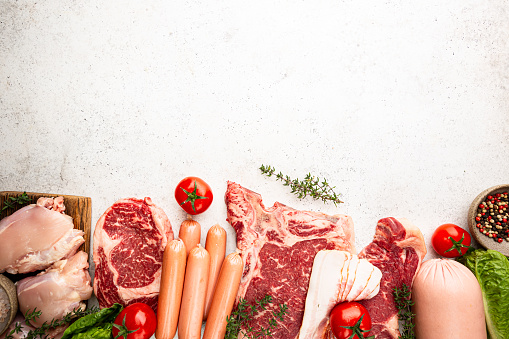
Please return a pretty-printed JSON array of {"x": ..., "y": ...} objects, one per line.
[{"x": 402, "y": 105}]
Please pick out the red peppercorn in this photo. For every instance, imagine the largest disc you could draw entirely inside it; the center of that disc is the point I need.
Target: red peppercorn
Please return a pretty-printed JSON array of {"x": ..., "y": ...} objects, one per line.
[
  {"x": 499, "y": 240},
  {"x": 478, "y": 225},
  {"x": 504, "y": 220},
  {"x": 477, "y": 219},
  {"x": 490, "y": 197},
  {"x": 481, "y": 230},
  {"x": 497, "y": 195},
  {"x": 481, "y": 206},
  {"x": 498, "y": 223}
]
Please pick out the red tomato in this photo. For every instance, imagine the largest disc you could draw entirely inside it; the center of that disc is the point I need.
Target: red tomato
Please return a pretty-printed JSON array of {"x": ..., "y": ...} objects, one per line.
[
  {"x": 449, "y": 240},
  {"x": 346, "y": 323},
  {"x": 136, "y": 321},
  {"x": 193, "y": 195}
]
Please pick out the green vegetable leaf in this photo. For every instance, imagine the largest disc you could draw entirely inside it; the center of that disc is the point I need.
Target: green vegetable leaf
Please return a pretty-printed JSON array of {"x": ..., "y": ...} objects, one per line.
[
  {"x": 491, "y": 269},
  {"x": 106, "y": 316},
  {"x": 103, "y": 332},
  {"x": 11, "y": 202}
]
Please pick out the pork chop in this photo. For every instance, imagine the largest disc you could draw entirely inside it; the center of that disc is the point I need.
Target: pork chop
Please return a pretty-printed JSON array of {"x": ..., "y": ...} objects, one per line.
[{"x": 397, "y": 250}]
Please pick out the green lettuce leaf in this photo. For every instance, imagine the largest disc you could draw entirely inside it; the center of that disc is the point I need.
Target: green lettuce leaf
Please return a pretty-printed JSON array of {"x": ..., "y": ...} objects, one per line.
[
  {"x": 96, "y": 333},
  {"x": 491, "y": 269},
  {"x": 99, "y": 320}
]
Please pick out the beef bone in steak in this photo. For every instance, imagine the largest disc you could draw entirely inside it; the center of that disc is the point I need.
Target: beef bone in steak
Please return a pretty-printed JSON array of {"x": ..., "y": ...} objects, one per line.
[
  {"x": 397, "y": 250},
  {"x": 278, "y": 245},
  {"x": 129, "y": 241}
]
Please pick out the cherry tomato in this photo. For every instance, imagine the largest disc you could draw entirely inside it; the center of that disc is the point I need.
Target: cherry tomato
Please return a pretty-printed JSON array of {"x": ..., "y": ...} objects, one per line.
[
  {"x": 449, "y": 240},
  {"x": 193, "y": 195},
  {"x": 136, "y": 321},
  {"x": 346, "y": 322}
]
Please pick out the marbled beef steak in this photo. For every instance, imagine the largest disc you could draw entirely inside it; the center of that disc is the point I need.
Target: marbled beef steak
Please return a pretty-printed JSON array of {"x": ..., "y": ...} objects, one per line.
[
  {"x": 129, "y": 241},
  {"x": 397, "y": 250},
  {"x": 278, "y": 245}
]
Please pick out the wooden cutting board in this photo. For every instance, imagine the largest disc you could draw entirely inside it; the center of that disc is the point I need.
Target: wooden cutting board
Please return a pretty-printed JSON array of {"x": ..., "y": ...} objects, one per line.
[{"x": 79, "y": 208}]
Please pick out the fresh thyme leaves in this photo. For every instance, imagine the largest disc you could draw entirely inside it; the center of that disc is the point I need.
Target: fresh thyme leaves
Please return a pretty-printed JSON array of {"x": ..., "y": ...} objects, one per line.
[
  {"x": 402, "y": 298},
  {"x": 245, "y": 312},
  {"x": 12, "y": 201},
  {"x": 17, "y": 329},
  {"x": 311, "y": 185},
  {"x": 41, "y": 331}
]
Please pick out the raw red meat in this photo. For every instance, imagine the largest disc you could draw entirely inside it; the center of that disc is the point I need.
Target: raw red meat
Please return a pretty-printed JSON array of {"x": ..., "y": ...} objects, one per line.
[
  {"x": 129, "y": 241},
  {"x": 397, "y": 250},
  {"x": 278, "y": 245}
]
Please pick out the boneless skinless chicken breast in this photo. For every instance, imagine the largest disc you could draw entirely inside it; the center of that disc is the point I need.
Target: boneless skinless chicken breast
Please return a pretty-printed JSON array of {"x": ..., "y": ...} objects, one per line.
[
  {"x": 36, "y": 236},
  {"x": 58, "y": 290}
]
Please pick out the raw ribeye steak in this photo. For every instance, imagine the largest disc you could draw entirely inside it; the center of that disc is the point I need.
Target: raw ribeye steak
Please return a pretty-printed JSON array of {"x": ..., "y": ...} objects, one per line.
[
  {"x": 397, "y": 250},
  {"x": 129, "y": 241},
  {"x": 278, "y": 245}
]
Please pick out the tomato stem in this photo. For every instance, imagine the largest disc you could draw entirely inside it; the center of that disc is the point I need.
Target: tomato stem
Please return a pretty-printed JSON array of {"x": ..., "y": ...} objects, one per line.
[
  {"x": 123, "y": 331},
  {"x": 192, "y": 196},
  {"x": 457, "y": 245},
  {"x": 357, "y": 330}
]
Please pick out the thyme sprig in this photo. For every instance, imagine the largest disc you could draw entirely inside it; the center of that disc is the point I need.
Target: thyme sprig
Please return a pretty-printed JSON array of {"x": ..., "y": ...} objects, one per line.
[
  {"x": 41, "y": 331},
  {"x": 245, "y": 312},
  {"x": 404, "y": 303},
  {"x": 311, "y": 186},
  {"x": 12, "y": 201}
]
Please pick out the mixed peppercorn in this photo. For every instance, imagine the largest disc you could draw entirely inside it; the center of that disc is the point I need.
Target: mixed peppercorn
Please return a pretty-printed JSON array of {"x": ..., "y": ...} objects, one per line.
[{"x": 493, "y": 215}]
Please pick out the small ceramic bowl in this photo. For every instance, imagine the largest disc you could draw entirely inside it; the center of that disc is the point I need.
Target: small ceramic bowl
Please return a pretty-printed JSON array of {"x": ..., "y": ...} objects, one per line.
[
  {"x": 8, "y": 293},
  {"x": 482, "y": 239}
]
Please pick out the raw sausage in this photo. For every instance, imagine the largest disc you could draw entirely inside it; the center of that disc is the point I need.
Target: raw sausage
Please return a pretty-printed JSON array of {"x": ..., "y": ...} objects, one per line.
[
  {"x": 216, "y": 246},
  {"x": 193, "y": 297},
  {"x": 448, "y": 302},
  {"x": 170, "y": 294},
  {"x": 190, "y": 233},
  {"x": 224, "y": 296}
]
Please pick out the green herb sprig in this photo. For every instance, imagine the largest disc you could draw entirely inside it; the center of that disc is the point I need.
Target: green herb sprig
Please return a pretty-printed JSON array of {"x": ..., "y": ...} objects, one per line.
[
  {"x": 404, "y": 303},
  {"x": 245, "y": 312},
  {"x": 12, "y": 201},
  {"x": 41, "y": 331},
  {"x": 311, "y": 186}
]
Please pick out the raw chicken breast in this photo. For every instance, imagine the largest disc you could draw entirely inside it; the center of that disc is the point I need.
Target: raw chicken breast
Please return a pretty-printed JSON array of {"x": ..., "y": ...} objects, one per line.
[
  {"x": 34, "y": 237},
  {"x": 336, "y": 276},
  {"x": 58, "y": 290}
]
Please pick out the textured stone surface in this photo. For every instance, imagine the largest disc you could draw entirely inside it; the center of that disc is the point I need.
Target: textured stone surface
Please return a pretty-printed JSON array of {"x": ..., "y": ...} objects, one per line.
[{"x": 403, "y": 106}]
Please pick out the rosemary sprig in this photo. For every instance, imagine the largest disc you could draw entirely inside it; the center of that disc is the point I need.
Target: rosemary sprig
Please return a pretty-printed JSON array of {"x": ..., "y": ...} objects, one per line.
[
  {"x": 404, "y": 303},
  {"x": 311, "y": 185},
  {"x": 41, "y": 331},
  {"x": 245, "y": 312},
  {"x": 12, "y": 201}
]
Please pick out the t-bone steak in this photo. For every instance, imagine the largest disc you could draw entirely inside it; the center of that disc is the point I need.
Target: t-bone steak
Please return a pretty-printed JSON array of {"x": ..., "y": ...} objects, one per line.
[
  {"x": 397, "y": 250},
  {"x": 278, "y": 245},
  {"x": 129, "y": 241}
]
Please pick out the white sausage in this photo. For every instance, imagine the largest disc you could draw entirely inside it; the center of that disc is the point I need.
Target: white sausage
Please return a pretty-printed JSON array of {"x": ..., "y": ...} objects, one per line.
[{"x": 448, "y": 302}]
